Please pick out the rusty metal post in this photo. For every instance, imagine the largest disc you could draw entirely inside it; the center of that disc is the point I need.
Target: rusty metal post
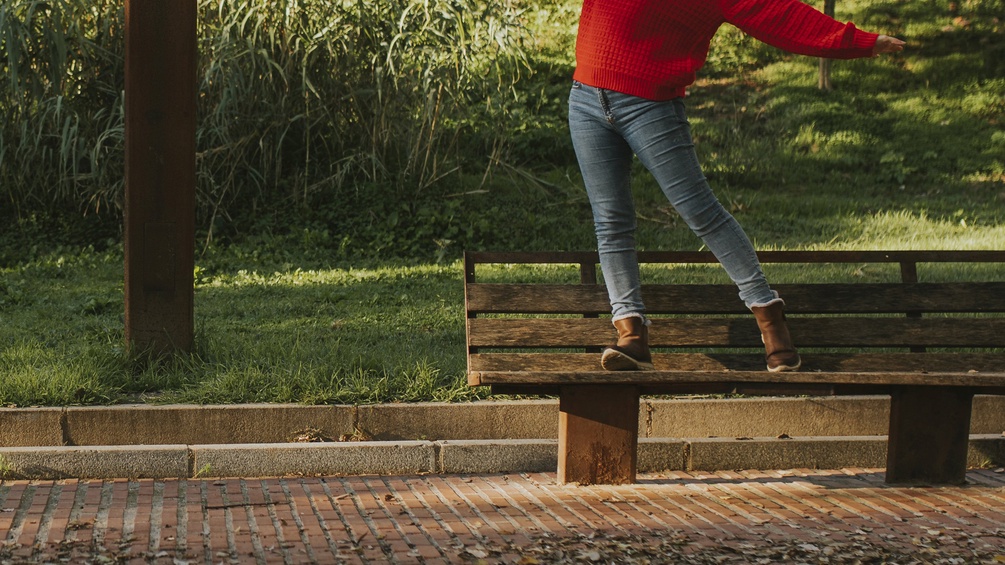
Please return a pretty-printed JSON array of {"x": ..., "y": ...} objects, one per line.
[
  {"x": 929, "y": 435},
  {"x": 160, "y": 126},
  {"x": 598, "y": 434}
]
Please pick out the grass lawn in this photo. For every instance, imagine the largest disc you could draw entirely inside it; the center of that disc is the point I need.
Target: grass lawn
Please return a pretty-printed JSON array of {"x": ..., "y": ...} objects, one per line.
[
  {"x": 908, "y": 152},
  {"x": 335, "y": 334}
]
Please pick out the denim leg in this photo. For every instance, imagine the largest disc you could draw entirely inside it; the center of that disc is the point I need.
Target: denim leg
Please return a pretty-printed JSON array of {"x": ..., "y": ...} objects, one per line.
[
  {"x": 605, "y": 160},
  {"x": 660, "y": 135}
]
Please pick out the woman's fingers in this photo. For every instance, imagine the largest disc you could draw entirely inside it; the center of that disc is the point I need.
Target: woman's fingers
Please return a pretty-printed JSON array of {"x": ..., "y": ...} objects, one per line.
[{"x": 887, "y": 44}]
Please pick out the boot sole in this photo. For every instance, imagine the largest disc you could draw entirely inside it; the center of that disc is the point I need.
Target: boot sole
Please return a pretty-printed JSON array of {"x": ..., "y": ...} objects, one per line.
[
  {"x": 613, "y": 360},
  {"x": 785, "y": 368}
]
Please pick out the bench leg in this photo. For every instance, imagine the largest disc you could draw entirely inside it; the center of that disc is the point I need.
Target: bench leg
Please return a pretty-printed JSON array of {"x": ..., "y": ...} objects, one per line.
[
  {"x": 929, "y": 435},
  {"x": 598, "y": 434}
]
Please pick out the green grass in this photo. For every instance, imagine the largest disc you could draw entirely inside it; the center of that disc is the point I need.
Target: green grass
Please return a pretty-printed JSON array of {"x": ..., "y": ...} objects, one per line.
[
  {"x": 356, "y": 296},
  {"x": 332, "y": 335},
  {"x": 385, "y": 332}
]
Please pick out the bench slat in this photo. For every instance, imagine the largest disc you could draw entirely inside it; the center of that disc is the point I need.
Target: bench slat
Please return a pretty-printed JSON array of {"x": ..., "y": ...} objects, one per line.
[
  {"x": 849, "y": 331},
  {"x": 853, "y": 362},
  {"x": 745, "y": 388},
  {"x": 498, "y": 298},
  {"x": 842, "y": 298},
  {"x": 760, "y": 389},
  {"x": 686, "y": 257},
  {"x": 864, "y": 298},
  {"x": 642, "y": 378}
]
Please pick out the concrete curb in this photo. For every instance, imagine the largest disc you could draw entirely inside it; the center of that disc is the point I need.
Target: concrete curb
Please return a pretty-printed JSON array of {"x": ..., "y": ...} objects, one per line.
[
  {"x": 279, "y": 459},
  {"x": 448, "y": 457},
  {"x": 95, "y": 462},
  {"x": 144, "y": 441},
  {"x": 534, "y": 419}
]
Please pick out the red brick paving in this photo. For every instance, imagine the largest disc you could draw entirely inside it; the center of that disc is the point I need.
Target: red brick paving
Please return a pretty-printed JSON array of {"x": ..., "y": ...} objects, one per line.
[{"x": 836, "y": 516}]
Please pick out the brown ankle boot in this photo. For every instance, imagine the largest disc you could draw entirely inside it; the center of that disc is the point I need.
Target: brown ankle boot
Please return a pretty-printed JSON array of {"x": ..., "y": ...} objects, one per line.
[
  {"x": 631, "y": 353},
  {"x": 780, "y": 354}
]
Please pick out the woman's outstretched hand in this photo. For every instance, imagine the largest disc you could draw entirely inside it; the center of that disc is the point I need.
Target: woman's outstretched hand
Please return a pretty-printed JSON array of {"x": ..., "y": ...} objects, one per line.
[{"x": 887, "y": 44}]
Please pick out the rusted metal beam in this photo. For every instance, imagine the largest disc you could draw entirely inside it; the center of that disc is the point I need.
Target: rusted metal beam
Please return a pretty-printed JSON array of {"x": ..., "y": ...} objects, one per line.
[
  {"x": 929, "y": 435},
  {"x": 160, "y": 127},
  {"x": 598, "y": 434}
]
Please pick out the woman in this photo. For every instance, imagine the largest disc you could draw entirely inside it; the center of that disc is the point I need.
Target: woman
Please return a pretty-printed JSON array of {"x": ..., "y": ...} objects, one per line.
[{"x": 634, "y": 59}]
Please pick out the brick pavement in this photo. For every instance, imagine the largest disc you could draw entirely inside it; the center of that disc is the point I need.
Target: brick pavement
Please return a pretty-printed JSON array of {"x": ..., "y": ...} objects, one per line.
[{"x": 835, "y": 516}]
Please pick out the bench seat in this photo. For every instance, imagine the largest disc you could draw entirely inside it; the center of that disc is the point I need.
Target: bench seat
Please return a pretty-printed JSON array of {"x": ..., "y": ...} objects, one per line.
[{"x": 983, "y": 383}]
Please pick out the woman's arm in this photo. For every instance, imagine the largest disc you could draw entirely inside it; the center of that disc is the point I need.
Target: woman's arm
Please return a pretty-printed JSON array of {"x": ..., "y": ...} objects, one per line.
[{"x": 797, "y": 27}]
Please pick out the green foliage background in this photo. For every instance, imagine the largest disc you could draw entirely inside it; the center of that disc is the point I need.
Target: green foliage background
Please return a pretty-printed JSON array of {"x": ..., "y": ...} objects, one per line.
[
  {"x": 304, "y": 105},
  {"x": 408, "y": 128}
]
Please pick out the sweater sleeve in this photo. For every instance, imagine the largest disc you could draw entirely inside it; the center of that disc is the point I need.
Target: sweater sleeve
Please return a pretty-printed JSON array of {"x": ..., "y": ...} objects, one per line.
[{"x": 798, "y": 28}]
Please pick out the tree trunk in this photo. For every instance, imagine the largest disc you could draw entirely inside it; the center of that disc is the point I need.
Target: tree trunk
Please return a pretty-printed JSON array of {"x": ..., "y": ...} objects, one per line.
[{"x": 825, "y": 64}]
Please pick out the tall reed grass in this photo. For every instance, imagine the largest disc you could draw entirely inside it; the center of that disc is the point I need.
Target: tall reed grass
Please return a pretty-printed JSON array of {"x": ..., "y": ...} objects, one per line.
[{"x": 298, "y": 99}]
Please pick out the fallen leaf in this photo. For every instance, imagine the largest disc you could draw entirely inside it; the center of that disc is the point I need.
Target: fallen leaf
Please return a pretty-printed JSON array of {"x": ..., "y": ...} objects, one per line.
[{"x": 476, "y": 553}]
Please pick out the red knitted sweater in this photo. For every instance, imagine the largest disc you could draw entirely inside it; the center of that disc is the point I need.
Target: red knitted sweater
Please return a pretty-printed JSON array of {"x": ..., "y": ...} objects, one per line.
[{"x": 653, "y": 48}]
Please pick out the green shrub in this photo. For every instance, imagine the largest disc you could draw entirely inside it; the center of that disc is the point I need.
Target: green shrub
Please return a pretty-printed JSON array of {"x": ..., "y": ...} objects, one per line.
[{"x": 300, "y": 101}]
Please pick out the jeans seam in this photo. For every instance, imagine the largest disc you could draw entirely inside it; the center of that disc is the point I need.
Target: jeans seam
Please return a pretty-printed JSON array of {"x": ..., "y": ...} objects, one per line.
[{"x": 605, "y": 104}]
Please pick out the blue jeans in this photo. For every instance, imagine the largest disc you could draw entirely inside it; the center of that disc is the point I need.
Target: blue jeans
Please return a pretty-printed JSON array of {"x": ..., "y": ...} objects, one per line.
[{"x": 608, "y": 128}]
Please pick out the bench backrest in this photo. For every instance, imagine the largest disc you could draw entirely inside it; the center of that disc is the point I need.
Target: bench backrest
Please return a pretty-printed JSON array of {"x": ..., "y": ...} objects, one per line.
[{"x": 952, "y": 322}]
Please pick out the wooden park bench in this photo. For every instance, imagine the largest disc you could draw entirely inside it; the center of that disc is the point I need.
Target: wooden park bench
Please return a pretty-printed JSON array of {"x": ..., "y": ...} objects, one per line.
[{"x": 930, "y": 345}]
